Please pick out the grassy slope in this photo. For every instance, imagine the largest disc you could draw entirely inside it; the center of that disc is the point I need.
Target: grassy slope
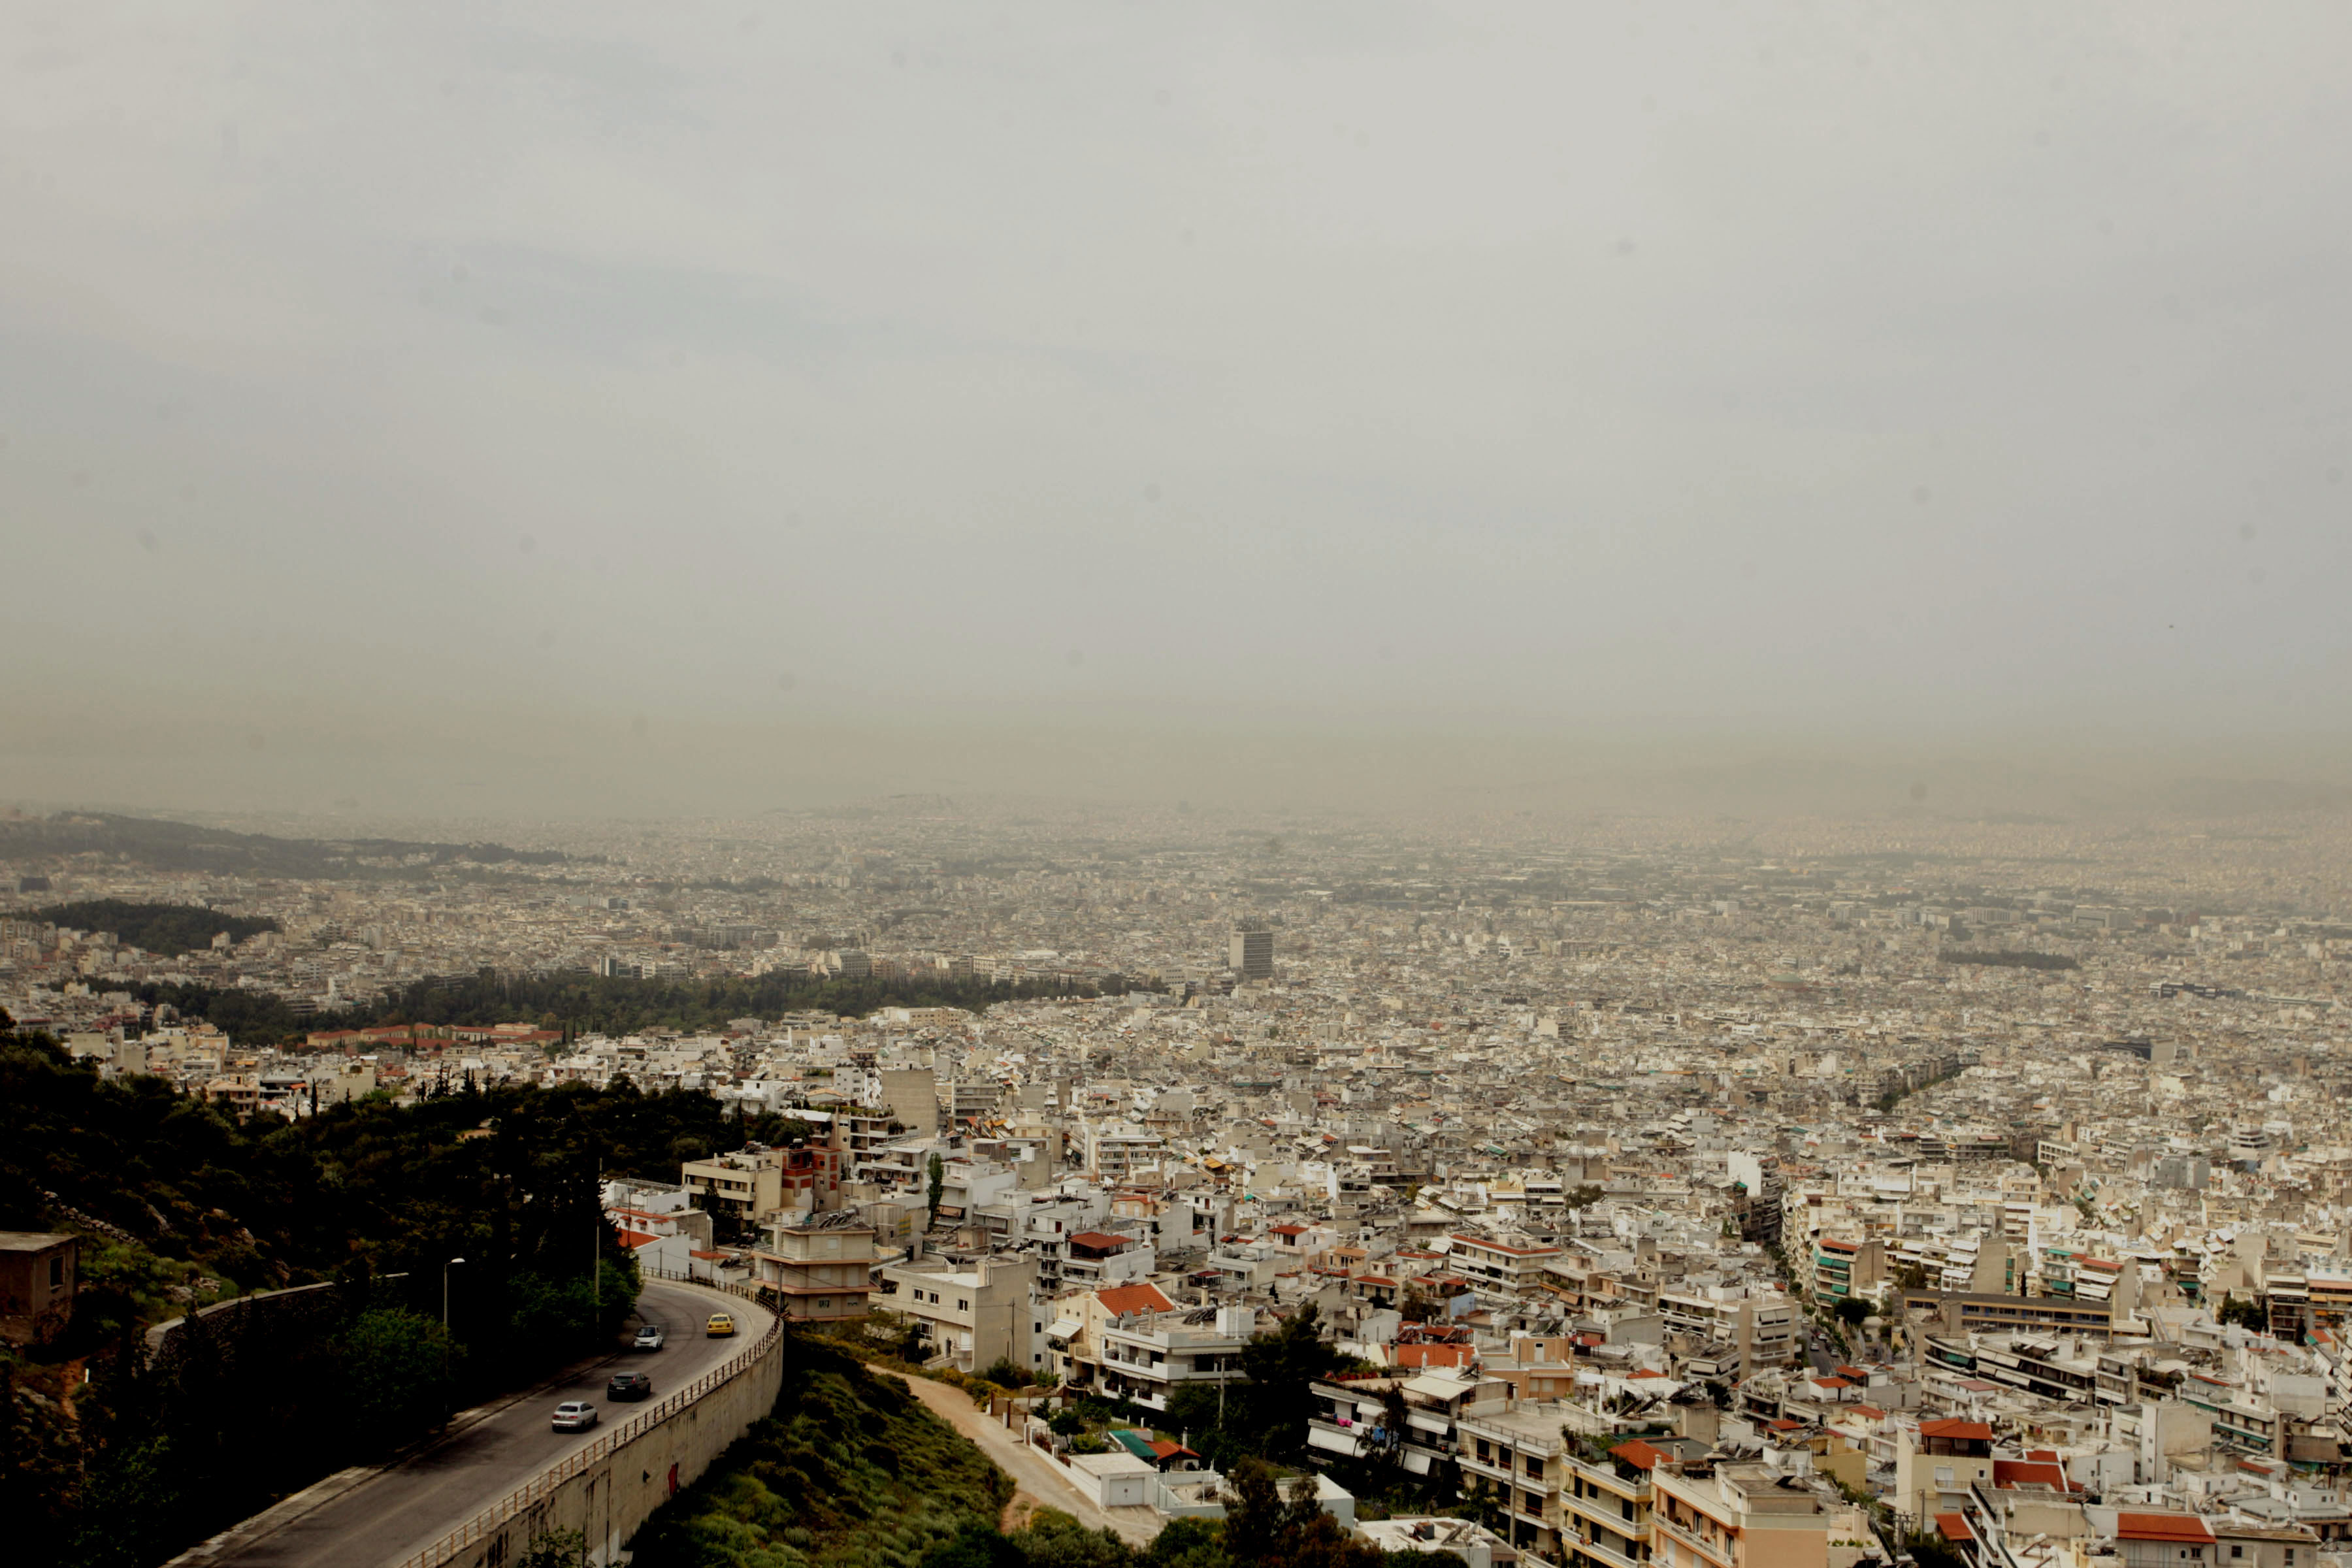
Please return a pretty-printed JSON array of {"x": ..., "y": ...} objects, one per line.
[{"x": 848, "y": 1472}]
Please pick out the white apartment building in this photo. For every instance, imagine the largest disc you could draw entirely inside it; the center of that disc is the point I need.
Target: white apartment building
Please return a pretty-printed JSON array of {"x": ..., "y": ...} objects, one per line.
[
  {"x": 1495, "y": 1268},
  {"x": 971, "y": 1314},
  {"x": 1146, "y": 1356},
  {"x": 1115, "y": 1154}
]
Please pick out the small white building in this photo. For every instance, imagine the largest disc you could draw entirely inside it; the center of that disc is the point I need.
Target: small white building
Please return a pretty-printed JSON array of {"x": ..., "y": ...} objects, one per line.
[{"x": 1115, "y": 1480}]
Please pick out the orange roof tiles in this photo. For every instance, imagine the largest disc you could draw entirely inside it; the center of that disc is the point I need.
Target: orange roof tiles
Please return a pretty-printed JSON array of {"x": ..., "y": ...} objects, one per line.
[
  {"x": 1121, "y": 1300},
  {"x": 2186, "y": 1528}
]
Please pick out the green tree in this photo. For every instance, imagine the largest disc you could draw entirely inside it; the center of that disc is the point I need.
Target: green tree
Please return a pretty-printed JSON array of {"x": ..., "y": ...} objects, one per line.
[
  {"x": 1393, "y": 1414},
  {"x": 1052, "y": 1539},
  {"x": 1188, "y": 1544},
  {"x": 1487, "y": 1505},
  {"x": 937, "y": 1170},
  {"x": 1253, "y": 1513},
  {"x": 977, "y": 1546},
  {"x": 1264, "y": 1530},
  {"x": 395, "y": 1375},
  {"x": 1851, "y": 1309},
  {"x": 1281, "y": 1365},
  {"x": 1194, "y": 1413},
  {"x": 1003, "y": 1373}
]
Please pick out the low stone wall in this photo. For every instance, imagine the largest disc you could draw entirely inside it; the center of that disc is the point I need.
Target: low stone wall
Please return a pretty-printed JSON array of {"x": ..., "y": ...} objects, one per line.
[
  {"x": 274, "y": 1316},
  {"x": 609, "y": 1488}
]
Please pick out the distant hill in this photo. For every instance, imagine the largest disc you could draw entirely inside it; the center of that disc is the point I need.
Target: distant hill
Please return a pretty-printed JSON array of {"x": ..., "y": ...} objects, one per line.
[
  {"x": 158, "y": 928},
  {"x": 186, "y": 847}
]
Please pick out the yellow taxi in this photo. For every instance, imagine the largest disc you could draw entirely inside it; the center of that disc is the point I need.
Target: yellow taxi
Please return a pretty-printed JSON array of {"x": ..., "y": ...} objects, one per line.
[{"x": 722, "y": 1326}]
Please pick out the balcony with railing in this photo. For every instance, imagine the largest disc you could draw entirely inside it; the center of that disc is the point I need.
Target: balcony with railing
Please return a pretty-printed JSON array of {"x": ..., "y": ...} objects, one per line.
[
  {"x": 1352, "y": 1440},
  {"x": 1714, "y": 1546},
  {"x": 1598, "y": 1549}
]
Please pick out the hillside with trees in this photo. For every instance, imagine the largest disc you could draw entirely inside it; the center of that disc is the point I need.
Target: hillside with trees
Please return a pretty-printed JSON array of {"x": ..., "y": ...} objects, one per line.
[
  {"x": 584, "y": 1004},
  {"x": 158, "y": 928},
  {"x": 179, "y": 1207}
]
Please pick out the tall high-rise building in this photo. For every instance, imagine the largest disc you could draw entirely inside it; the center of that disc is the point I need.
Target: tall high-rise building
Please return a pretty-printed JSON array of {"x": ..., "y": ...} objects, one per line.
[{"x": 1251, "y": 953}]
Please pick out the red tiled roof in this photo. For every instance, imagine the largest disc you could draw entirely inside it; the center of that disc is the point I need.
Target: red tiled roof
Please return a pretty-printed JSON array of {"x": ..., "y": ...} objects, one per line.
[
  {"x": 2182, "y": 1527},
  {"x": 1121, "y": 1300},
  {"x": 634, "y": 1239},
  {"x": 1954, "y": 1527},
  {"x": 1965, "y": 1430},
  {"x": 1514, "y": 1251},
  {"x": 2029, "y": 1473},
  {"x": 1098, "y": 1238},
  {"x": 1638, "y": 1453},
  {"x": 1433, "y": 1355}
]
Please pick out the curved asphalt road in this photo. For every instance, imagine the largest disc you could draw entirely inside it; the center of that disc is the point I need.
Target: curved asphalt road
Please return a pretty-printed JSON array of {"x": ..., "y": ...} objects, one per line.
[{"x": 392, "y": 1513}]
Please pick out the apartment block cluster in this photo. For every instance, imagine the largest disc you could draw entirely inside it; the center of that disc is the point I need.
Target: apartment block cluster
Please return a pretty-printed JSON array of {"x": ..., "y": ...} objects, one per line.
[{"x": 2038, "y": 1304}]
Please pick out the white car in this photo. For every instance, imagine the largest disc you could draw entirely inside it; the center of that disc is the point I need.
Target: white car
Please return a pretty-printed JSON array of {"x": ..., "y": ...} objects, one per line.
[
  {"x": 650, "y": 1338},
  {"x": 575, "y": 1415}
]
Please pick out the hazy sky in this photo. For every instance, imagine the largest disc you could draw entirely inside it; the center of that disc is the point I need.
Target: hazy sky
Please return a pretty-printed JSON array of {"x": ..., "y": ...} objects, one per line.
[{"x": 387, "y": 370}]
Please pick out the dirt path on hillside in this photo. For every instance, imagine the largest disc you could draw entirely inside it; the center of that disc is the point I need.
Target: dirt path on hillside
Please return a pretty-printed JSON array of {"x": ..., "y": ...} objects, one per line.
[{"x": 1039, "y": 1482}]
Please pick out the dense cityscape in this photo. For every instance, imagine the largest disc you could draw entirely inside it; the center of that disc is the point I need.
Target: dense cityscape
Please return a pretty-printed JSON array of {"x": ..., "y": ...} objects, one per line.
[{"x": 1871, "y": 1190}]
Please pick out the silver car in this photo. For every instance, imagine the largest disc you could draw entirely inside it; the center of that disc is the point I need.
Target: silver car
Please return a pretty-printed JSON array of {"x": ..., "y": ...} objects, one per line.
[
  {"x": 575, "y": 1415},
  {"x": 651, "y": 1338}
]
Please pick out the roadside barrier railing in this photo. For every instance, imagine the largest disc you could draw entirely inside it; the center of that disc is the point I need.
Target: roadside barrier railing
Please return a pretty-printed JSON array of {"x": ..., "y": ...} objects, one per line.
[{"x": 543, "y": 1485}]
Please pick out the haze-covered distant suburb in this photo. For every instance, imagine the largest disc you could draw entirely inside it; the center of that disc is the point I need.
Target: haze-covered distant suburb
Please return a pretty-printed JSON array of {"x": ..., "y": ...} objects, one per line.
[{"x": 600, "y": 407}]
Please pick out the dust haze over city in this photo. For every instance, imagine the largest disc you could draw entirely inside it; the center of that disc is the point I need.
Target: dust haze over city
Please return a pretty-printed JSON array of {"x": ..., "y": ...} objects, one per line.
[
  {"x": 1376, "y": 405},
  {"x": 1403, "y": 755}
]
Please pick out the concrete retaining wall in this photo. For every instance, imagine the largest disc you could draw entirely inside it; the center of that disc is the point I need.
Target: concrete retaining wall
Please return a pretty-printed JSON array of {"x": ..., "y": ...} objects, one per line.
[
  {"x": 271, "y": 1318},
  {"x": 610, "y": 1487}
]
